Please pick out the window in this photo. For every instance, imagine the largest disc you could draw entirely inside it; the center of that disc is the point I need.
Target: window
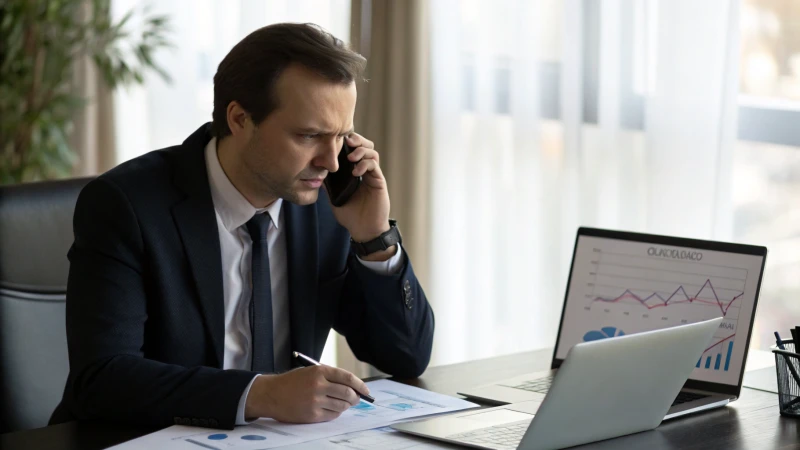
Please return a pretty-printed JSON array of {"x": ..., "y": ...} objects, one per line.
[{"x": 764, "y": 172}]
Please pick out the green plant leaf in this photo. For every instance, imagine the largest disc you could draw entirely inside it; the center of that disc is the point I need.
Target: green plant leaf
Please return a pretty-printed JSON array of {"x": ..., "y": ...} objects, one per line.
[{"x": 39, "y": 43}]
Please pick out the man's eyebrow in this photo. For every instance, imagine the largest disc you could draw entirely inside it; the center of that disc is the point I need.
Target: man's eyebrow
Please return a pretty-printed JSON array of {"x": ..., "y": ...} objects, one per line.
[{"x": 312, "y": 130}]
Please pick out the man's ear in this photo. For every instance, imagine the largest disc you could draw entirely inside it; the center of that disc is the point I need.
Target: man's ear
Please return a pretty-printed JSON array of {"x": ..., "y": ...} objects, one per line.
[{"x": 237, "y": 118}]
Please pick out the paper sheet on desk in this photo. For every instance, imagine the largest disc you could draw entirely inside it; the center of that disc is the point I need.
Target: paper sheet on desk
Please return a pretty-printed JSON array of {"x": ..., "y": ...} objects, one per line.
[
  {"x": 393, "y": 402},
  {"x": 378, "y": 439}
]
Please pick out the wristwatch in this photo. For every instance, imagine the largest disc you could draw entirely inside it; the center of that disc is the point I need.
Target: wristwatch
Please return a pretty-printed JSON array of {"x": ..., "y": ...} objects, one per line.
[{"x": 380, "y": 243}]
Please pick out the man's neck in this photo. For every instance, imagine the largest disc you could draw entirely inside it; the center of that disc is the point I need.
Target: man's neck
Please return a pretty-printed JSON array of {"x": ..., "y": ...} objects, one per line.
[{"x": 236, "y": 173}]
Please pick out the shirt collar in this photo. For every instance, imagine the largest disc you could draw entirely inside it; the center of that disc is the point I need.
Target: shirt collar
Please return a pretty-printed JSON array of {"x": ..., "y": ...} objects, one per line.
[{"x": 230, "y": 204}]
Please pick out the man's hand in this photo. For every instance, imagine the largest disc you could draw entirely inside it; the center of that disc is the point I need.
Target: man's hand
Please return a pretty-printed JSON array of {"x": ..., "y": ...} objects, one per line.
[
  {"x": 366, "y": 214},
  {"x": 308, "y": 395}
]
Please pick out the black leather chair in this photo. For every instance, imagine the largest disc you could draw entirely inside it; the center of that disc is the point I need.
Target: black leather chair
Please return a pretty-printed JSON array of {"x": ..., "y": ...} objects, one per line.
[{"x": 35, "y": 235}]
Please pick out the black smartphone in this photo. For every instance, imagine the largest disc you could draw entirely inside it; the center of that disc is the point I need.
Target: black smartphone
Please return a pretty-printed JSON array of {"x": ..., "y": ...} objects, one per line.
[{"x": 341, "y": 185}]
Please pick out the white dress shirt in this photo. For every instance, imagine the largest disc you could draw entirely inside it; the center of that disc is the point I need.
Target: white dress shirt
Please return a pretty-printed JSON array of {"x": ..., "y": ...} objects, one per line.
[{"x": 232, "y": 212}]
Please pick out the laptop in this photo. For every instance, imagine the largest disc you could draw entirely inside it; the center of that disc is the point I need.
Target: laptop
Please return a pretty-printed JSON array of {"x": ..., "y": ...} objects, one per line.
[
  {"x": 604, "y": 389},
  {"x": 622, "y": 283}
]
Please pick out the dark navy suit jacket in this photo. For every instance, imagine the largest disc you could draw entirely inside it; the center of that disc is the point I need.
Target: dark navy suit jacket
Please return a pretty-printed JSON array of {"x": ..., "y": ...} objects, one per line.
[{"x": 145, "y": 306}]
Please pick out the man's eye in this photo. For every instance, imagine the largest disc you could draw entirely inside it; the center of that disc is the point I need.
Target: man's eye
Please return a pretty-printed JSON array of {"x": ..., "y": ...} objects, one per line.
[{"x": 308, "y": 137}]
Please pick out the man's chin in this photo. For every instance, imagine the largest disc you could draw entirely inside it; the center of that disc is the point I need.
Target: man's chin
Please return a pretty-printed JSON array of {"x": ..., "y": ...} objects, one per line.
[{"x": 304, "y": 197}]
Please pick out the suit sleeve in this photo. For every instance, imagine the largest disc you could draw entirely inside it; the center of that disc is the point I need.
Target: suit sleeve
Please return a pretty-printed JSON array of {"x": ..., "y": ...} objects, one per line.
[
  {"x": 386, "y": 319},
  {"x": 106, "y": 319}
]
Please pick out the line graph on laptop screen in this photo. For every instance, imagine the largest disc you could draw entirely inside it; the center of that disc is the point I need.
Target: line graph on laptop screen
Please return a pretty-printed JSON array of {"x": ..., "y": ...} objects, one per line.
[{"x": 621, "y": 287}]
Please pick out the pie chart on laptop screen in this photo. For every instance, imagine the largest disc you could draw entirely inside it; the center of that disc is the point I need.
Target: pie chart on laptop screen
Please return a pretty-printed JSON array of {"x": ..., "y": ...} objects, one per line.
[{"x": 603, "y": 333}]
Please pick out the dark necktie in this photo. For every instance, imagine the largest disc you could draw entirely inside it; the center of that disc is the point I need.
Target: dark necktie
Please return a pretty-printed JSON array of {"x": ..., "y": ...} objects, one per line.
[{"x": 261, "y": 300}]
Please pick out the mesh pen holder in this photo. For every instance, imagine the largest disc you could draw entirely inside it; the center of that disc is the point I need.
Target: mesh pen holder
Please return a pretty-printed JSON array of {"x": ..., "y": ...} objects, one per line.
[{"x": 787, "y": 366}]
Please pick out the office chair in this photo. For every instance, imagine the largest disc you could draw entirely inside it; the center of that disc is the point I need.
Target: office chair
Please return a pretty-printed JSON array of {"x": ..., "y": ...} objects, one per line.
[{"x": 35, "y": 235}]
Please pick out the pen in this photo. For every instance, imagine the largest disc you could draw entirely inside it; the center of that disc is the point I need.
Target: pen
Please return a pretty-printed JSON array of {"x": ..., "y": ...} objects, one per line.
[
  {"x": 311, "y": 362},
  {"x": 778, "y": 342}
]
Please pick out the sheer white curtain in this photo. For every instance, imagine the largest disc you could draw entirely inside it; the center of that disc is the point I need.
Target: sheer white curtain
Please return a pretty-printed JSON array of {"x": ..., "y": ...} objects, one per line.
[{"x": 547, "y": 115}]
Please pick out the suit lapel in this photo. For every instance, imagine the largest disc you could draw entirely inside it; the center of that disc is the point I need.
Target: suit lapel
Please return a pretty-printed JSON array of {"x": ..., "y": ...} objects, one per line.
[
  {"x": 302, "y": 250},
  {"x": 196, "y": 222}
]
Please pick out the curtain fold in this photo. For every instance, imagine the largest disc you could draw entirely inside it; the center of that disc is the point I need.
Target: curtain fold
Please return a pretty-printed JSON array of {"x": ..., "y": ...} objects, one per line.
[
  {"x": 392, "y": 108},
  {"x": 392, "y": 111},
  {"x": 92, "y": 138}
]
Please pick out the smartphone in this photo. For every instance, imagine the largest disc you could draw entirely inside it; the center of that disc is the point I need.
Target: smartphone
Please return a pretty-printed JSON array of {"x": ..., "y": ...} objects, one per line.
[{"x": 341, "y": 185}]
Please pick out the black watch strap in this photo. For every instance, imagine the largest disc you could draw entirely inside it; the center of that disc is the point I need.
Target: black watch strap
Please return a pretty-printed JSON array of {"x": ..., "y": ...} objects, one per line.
[{"x": 380, "y": 243}]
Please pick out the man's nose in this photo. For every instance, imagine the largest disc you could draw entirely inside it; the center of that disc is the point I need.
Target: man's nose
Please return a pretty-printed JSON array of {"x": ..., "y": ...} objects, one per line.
[{"x": 329, "y": 154}]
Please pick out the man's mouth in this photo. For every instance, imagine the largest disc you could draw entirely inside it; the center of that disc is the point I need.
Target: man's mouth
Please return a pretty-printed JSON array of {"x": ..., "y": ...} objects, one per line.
[{"x": 313, "y": 182}]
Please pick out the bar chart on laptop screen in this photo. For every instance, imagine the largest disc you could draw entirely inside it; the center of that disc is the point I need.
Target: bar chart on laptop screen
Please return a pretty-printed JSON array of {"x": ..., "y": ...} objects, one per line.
[{"x": 622, "y": 287}]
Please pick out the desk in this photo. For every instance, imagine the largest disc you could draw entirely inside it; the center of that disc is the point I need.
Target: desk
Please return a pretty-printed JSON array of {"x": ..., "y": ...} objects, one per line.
[{"x": 750, "y": 422}]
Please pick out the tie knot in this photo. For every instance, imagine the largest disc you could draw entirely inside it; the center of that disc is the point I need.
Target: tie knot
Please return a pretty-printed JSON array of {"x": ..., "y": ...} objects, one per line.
[{"x": 258, "y": 226}]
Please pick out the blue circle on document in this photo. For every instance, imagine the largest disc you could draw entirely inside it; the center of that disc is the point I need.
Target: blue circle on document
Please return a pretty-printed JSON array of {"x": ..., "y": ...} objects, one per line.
[
  {"x": 254, "y": 437},
  {"x": 218, "y": 437}
]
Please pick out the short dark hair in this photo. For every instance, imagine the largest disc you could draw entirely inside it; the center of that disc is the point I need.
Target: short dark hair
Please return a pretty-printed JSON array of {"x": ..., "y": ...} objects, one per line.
[{"x": 250, "y": 70}]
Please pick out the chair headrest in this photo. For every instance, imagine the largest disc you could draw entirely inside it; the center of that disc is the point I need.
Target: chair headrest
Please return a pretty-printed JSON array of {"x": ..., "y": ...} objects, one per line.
[{"x": 36, "y": 233}]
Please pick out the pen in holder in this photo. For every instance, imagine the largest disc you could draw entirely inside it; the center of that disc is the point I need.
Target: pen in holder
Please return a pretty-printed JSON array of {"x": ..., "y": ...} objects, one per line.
[{"x": 787, "y": 365}]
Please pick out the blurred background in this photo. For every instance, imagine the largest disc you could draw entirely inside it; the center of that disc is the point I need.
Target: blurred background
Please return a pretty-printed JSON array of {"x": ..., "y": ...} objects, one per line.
[{"x": 503, "y": 126}]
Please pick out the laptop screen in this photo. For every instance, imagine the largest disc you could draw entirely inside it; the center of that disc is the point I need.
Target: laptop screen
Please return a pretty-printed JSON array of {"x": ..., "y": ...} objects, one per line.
[{"x": 624, "y": 283}]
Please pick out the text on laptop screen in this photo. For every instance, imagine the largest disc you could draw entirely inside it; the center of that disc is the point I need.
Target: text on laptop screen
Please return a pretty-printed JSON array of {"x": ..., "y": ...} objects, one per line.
[{"x": 622, "y": 287}]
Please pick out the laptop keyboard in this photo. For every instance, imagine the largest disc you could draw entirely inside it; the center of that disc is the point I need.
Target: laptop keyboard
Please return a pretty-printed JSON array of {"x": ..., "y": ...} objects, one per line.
[
  {"x": 509, "y": 435},
  {"x": 501, "y": 436},
  {"x": 684, "y": 397},
  {"x": 542, "y": 385}
]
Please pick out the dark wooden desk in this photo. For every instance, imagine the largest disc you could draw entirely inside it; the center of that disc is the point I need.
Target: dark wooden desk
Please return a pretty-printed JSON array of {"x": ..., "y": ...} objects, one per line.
[{"x": 752, "y": 422}]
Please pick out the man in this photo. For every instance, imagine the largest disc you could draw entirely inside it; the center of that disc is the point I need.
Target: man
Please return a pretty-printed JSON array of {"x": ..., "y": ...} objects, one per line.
[{"x": 198, "y": 267}]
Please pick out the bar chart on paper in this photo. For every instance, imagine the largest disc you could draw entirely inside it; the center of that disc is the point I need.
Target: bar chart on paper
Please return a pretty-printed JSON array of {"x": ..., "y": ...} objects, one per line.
[{"x": 625, "y": 287}]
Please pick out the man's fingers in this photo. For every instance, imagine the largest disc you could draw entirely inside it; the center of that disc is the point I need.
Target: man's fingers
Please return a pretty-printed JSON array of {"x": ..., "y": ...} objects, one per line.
[
  {"x": 356, "y": 140},
  {"x": 336, "y": 405},
  {"x": 364, "y": 166},
  {"x": 363, "y": 153},
  {"x": 341, "y": 376},
  {"x": 342, "y": 392},
  {"x": 325, "y": 415}
]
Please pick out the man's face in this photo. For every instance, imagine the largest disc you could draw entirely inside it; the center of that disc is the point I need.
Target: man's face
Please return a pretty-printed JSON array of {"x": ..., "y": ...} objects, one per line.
[{"x": 291, "y": 151}]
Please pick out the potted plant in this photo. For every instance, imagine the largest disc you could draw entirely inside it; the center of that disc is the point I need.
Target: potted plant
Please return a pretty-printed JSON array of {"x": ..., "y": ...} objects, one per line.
[{"x": 39, "y": 42}]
